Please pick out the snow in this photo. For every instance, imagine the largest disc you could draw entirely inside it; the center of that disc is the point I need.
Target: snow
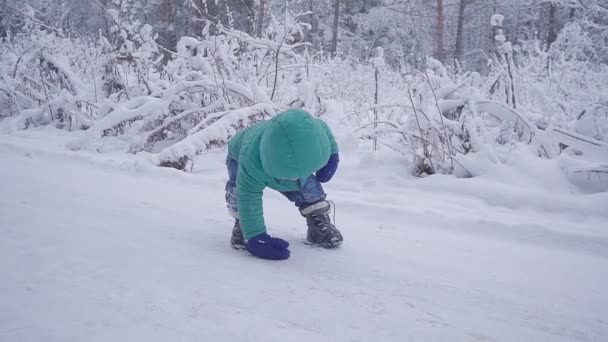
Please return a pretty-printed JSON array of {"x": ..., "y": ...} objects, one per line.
[
  {"x": 378, "y": 61},
  {"x": 115, "y": 14},
  {"x": 75, "y": 86},
  {"x": 219, "y": 126},
  {"x": 594, "y": 150},
  {"x": 500, "y": 38},
  {"x": 107, "y": 247},
  {"x": 187, "y": 45},
  {"x": 590, "y": 179},
  {"x": 446, "y": 91},
  {"x": 593, "y": 122},
  {"x": 449, "y": 105},
  {"x": 497, "y": 20},
  {"x": 504, "y": 112},
  {"x": 130, "y": 111},
  {"x": 437, "y": 66}
]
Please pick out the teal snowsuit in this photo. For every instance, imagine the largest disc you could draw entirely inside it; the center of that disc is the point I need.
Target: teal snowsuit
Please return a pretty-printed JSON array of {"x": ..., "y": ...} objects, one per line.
[{"x": 281, "y": 154}]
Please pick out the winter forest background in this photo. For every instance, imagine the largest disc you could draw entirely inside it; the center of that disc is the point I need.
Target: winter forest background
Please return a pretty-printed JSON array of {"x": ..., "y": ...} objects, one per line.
[{"x": 450, "y": 85}]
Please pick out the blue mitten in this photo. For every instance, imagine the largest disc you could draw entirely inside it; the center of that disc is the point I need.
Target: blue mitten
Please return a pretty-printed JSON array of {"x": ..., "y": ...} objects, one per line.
[
  {"x": 328, "y": 171},
  {"x": 279, "y": 243},
  {"x": 266, "y": 247}
]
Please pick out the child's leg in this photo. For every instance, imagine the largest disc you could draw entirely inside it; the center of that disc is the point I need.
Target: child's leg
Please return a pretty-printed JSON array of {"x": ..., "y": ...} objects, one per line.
[
  {"x": 311, "y": 192},
  {"x": 310, "y": 199},
  {"x": 232, "y": 166},
  {"x": 236, "y": 240}
]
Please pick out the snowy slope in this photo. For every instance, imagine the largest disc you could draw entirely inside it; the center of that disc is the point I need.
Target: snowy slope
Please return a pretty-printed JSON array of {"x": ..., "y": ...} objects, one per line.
[{"x": 109, "y": 249}]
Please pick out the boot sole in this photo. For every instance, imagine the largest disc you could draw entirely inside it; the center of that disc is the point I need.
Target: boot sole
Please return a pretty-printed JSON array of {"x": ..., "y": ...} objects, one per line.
[
  {"x": 238, "y": 247},
  {"x": 333, "y": 244},
  {"x": 326, "y": 245}
]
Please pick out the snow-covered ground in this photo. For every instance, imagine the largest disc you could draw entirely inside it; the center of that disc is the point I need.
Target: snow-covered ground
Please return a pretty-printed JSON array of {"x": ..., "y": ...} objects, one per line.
[{"x": 108, "y": 248}]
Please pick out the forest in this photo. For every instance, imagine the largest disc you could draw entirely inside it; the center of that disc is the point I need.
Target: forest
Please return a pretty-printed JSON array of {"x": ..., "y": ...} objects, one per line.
[{"x": 448, "y": 84}]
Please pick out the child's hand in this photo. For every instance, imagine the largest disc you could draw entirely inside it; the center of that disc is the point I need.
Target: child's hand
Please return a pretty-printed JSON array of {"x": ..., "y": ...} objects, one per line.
[
  {"x": 328, "y": 171},
  {"x": 266, "y": 247}
]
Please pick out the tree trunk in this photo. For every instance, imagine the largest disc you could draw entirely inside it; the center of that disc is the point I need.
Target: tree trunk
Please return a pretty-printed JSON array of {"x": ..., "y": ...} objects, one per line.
[
  {"x": 334, "y": 33},
  {"x": 146, "y": 5},
  {"x": 515, "y": 35},
  {"x": 168, "y": 40},
  {"x": 439, "y": 52},
  {"x": 166, "y": 13},
  {"x": 104, "y": 14},
  {"x": 4, "y": 25},
  {"x": 259, "y": 20},
  {"x": 241, "y": 14},
  {"x": 222, "y": 12},
  {"x": 314, "y": 24},
  {"x": 511, "y": 86},
  {"x": 494, "y": 28},
  {"x": 459, "y": 31},
  {"x": 552, "y": 34},
  {"x": 572, "y": 13},
  {"x": 199, "y": 19},
  {"x": 250, "y": 16},
  {"x": 376, "y": 77}
]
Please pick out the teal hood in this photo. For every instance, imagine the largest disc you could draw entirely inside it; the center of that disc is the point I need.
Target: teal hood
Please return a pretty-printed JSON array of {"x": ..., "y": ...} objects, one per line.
[{"x": 294, "y": 145}]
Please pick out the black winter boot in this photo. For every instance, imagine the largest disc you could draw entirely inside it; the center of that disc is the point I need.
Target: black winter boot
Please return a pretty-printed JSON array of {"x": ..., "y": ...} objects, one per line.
[
  {"x": 237, "y": 241},
  {"x": 320, "y": 229}
]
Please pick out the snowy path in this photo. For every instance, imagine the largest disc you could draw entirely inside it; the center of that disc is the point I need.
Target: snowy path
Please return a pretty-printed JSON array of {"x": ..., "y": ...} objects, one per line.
[{"x": 90, "y": 252}]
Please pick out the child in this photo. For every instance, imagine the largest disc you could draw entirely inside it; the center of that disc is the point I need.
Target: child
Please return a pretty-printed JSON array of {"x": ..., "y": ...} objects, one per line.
[{"x": 292, "y": 153}]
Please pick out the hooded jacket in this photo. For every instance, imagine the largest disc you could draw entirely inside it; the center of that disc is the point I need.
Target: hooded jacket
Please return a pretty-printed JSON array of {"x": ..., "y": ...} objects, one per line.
[{"x": 281, "y": 154}]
